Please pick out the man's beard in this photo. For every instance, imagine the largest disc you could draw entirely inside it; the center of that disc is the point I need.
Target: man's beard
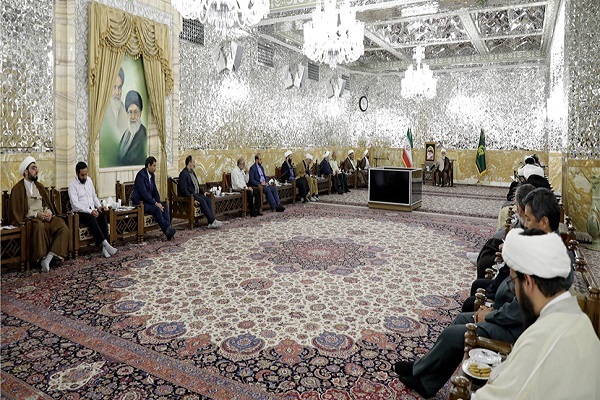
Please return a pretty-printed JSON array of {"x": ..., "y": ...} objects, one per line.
[
  {"x": 134, "y": 127},
  {"x": 33, "y": 178},
  {"x": 529, "y": 316},
  {"x": 115, "y": 104},
  {"x": 82, "y": 180}
]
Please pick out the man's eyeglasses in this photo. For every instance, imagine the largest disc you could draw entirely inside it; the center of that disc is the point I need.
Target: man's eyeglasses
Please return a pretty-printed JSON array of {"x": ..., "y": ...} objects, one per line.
[{"x": 511, "y": 284}]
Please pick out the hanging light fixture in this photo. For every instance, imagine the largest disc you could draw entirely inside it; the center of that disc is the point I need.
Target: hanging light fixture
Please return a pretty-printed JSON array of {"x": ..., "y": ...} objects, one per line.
[
  {"x": 223, "y": 15},
  {"x": 333, "y": 36},
  {"x": 420, "y": 81}
]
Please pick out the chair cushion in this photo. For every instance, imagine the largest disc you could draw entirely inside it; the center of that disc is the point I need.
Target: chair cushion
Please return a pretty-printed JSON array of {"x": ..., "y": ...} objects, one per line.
[
  {"x": 149, "y": 221},
  {"x": 86, "y": 234}
]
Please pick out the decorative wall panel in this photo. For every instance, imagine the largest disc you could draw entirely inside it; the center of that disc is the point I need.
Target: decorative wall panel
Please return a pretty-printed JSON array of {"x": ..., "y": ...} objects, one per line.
[
  {"x": 251, "y": 108},
  {"x": 583, "y": 67},
  {"x": 27, "y": 76},
  {"x": 557, "y": 105}
]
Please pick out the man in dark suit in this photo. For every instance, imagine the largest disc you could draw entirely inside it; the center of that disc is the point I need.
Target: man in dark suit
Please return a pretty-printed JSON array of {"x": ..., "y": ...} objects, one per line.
[
  {"x": 145, "y": 192},
  {"x": 259, "y": 179},
  {"x": 189, "y": 185},
  {"x": 288, "y": 174},
  {"x": 327, "y": 170}
]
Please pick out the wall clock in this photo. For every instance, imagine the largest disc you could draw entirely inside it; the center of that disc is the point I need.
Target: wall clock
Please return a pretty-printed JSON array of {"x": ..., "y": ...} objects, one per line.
[{"x": 363, "y": 103}]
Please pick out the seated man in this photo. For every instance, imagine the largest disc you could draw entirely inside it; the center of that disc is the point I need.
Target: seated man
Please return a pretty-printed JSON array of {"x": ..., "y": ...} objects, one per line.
[
  {"x": 303, "y": 177},
  {"x": 486, "y": 256},
  {"x": 85, "y": 203},
  {"x": 441, "y": 174},
  {"x": 239, "y": 181},
  {"x": 303, "y": 173},
  {"x": 502, "y": 322},
  {"x": 288, "y": 174},
  {"x": 259, "y": 179},
  {"x": 558, "y": 355},
  {"x": 189, "y": 185},
  {"x": 145, "y": 192},
  {"x": 326, "y": 170},
  {"x": 552, "y": 211},
  {"x": 342, "y": 178},
  {"x": 349, "y": 165},
  {"x": 364, "y": 165},
  {"x": 29, "y": 199}
]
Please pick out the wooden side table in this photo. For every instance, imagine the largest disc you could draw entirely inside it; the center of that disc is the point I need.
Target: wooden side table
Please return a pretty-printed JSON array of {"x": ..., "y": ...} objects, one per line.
[
  {"x": 127, "y": 222},
  {"x": 14, "y": 246}
]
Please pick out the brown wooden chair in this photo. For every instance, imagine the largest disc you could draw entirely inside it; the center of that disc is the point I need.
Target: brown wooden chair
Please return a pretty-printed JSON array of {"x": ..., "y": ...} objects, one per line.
[
  {"x": 124, "y": 191},
  {"x": 182, "y": 207},
  {"x": 80, "y": 234},
  {"x": 14, "y": 244}
]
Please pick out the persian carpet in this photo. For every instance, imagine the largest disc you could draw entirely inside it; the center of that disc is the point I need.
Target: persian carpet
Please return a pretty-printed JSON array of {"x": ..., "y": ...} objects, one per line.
[
  {"x": 318, "y": 302},
  {"x": 475, "y": 201}
]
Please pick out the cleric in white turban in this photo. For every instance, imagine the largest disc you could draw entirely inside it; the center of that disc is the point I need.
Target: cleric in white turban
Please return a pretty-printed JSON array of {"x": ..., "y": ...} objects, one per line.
[
  {"x": 558, "y": 354},
  {"x": 30, "y": 200}
]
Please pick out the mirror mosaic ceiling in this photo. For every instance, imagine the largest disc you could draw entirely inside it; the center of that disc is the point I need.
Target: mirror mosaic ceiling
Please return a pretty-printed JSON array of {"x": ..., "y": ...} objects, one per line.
[{"x": 459, "y": 34}]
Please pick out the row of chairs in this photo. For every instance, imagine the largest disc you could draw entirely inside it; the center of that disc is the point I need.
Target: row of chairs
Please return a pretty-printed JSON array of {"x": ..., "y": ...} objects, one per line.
[{"x": 587, "y": 292}]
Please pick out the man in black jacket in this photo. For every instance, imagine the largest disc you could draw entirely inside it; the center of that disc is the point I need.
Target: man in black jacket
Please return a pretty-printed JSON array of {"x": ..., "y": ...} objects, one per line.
[
  {"x": 327, "y": 170},
  {"x": 189, "y": 185},
  {"x": 146, "y": 193}
]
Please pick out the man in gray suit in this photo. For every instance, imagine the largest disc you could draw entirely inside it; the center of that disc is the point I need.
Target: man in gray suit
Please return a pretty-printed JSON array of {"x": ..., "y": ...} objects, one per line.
[{"x": 503, "y": 321}]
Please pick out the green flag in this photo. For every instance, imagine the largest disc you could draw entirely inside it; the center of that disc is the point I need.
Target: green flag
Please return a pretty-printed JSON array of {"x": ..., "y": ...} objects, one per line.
[{"x": 480, "y": 159}]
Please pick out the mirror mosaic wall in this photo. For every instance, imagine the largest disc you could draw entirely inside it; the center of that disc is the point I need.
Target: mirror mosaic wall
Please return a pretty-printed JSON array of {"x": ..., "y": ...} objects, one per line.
[
  {"x": 252, "y": 108},
  {"x": 27, "y": 76}
]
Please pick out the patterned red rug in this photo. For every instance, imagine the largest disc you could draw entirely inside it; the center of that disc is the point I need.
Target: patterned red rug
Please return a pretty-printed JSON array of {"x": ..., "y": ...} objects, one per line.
[{"x": 315, "y": 303}]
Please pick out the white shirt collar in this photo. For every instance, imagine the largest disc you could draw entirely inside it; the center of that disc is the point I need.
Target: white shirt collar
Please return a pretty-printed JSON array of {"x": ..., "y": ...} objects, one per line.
[{"x": 561, "y": 297}]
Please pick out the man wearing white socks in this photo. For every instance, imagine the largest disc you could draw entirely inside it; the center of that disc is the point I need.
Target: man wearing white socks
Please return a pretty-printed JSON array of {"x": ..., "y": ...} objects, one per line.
[
  {"x": 85, "y": 203},
  {"x": 30, "y": 200}
]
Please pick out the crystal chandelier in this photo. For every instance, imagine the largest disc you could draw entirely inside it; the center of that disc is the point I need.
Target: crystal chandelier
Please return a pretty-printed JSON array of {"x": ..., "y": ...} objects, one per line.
[
  {"x": 223, "y": 15},
  {"x": 419, "y": 82},
  {"x": 333, "y": 36}
]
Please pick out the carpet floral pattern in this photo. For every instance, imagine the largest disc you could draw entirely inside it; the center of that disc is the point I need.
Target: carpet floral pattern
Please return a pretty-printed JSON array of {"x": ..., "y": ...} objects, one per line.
[
  {"x": 475, "y": 201},
  {"x": 315, "y": 303}
]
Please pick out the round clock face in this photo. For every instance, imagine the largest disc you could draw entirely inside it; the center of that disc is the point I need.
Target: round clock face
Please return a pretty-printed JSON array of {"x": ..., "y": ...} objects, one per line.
[{"x": 363, "y": 103}]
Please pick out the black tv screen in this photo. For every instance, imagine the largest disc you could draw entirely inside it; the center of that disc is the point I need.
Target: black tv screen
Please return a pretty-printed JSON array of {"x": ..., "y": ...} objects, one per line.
[{"x": 390, "y": 185}]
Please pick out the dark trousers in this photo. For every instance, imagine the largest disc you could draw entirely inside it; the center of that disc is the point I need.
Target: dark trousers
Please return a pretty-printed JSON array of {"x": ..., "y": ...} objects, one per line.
[
  {"x": 272, "y": 195},
  {"x": 253, "y": 199},
  {"x": 469, "y": 304},
  {"x": 437, "y": 366},
  {"x": 302, "y": 185},
  {"x": 205, "y": 206},
  {"x": 343, "y": 179},
  {"x": 97, "y": 226},
  {"x": 335, "y": 184},
  {"x": 162, "y": 217}
]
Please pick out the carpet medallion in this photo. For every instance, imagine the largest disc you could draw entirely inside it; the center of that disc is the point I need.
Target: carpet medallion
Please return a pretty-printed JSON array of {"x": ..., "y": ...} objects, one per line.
[{"x": 315, "y": 303}]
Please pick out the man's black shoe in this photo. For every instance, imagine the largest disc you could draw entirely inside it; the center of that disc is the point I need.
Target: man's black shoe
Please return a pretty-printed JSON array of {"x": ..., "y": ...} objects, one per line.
[
  {"x": 347, "y": 190},
  {"x": 404, "y": 368},
  {"x": 170, "y": 232},
  {"x": 280, "y": 208},
  {"x": 414, "y": 384},
  {"x": 253, "y": 214}
]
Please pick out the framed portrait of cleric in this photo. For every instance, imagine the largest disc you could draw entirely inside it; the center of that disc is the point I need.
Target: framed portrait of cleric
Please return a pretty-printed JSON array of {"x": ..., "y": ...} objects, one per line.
[
  {"x": 124, "y": 134},
  {"x": 429, "y": 152}
]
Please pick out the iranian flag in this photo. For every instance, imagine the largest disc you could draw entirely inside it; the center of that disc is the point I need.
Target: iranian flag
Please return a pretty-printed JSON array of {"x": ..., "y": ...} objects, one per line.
[{"x": 407, "y": 151}]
